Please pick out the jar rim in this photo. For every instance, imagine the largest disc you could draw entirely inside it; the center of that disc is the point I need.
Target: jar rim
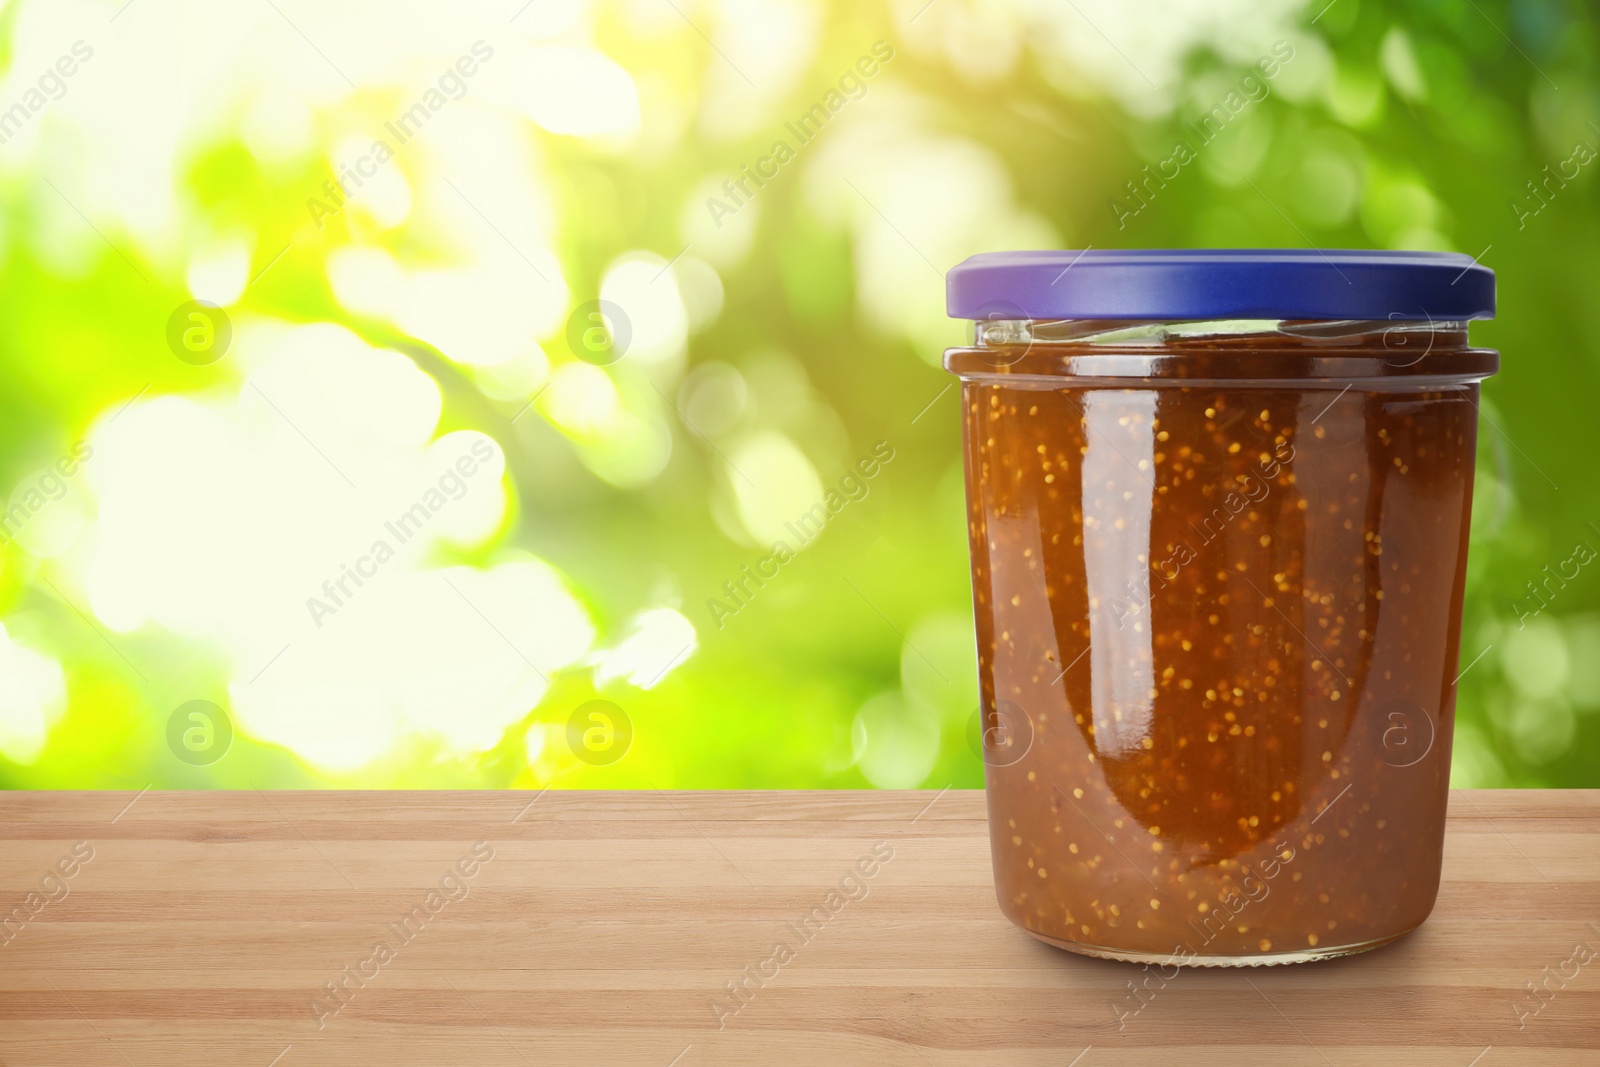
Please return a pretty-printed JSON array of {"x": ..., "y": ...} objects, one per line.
[
  {"x": 1256, "y": 352},
  {"x": 1143, "y": 333}
]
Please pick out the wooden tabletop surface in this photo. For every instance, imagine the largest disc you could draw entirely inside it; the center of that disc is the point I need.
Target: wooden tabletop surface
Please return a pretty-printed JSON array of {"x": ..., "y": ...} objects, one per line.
[{"x": 600, "y": 929}]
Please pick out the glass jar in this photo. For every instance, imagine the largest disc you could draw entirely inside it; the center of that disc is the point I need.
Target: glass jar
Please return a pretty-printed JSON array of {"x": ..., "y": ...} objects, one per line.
[{"x": 1218, "y": 509}]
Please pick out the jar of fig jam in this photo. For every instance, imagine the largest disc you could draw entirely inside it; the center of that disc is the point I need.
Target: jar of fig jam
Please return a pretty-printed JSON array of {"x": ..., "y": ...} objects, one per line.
[{"x": 1218, "y": 506}]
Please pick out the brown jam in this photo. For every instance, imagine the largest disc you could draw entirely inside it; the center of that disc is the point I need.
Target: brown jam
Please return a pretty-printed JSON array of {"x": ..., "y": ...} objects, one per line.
[{"x": 1218, "y": 591}]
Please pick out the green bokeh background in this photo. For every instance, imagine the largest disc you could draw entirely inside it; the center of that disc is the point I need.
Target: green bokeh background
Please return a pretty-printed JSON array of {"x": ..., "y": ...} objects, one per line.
[{"x": 803, "y": 332}]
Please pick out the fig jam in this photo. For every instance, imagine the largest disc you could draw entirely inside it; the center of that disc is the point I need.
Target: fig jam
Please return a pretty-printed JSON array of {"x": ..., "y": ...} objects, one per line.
[{"x": 1217, "y": 578}]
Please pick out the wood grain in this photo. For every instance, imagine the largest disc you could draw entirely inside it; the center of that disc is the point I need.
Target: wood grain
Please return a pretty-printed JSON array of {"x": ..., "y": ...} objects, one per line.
[{"x": 604, "y": 927}]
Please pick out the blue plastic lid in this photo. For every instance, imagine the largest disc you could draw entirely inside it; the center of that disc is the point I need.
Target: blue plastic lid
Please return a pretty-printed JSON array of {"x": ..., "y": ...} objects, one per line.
[{"x": 1220, "y": 284}]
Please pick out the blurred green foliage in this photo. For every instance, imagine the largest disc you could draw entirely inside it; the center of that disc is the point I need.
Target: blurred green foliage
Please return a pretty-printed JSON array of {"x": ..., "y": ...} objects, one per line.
[{"x": 793, "y": 338}]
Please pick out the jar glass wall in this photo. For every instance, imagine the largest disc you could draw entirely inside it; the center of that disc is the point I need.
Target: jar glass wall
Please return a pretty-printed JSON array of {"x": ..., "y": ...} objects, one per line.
[{"x": 1217, "y": 575}]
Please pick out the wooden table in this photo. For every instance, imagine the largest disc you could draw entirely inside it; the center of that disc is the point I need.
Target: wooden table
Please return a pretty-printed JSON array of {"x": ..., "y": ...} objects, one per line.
[{"x": 600, "y": 928}]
